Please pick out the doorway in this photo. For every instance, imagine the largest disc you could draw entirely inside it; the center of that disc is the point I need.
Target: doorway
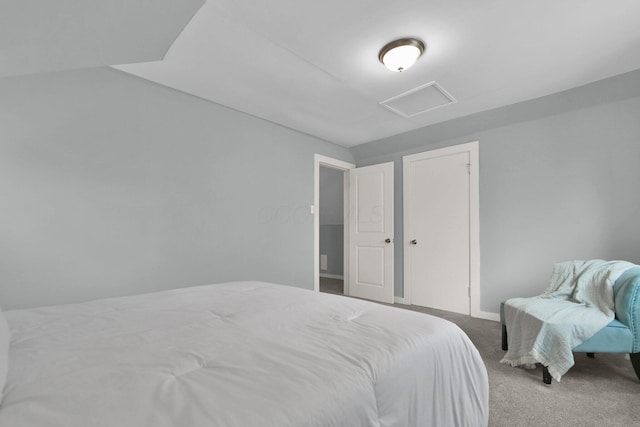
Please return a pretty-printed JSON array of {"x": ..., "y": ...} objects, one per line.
[
  {"x": 329, "y": 165},
  {"x": 331, "y": 217},
  {"x": 367, "y": 229}
]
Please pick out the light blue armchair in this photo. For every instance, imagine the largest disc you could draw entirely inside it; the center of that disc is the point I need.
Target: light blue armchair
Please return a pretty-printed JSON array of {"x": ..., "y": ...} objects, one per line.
[{"x": 622, "y": 335}]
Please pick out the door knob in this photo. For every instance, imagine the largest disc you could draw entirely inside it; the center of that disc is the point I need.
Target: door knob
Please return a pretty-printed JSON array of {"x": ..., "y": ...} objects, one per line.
[
  {"x": 414, "y": 242},
  {"x": 387, "y": 240}
]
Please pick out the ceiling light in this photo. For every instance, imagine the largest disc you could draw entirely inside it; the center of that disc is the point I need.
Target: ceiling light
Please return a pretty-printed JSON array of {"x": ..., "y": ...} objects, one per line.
[{"x": 401, "y": 54}]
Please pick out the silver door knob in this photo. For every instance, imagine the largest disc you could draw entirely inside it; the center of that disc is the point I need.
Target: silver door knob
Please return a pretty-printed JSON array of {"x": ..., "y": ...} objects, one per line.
[
  {"x": 387, "y": 240},
  {"x": 414, "y": 242}
]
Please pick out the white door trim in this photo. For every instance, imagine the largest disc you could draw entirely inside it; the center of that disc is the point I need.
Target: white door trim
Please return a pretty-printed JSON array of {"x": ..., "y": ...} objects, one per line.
[
  {"x": 329, "y": 162},
  {"x": 474, "y": 221}
]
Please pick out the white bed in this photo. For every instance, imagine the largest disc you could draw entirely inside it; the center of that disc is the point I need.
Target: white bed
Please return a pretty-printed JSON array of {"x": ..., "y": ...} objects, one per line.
[{"x": 239, "y": 354}]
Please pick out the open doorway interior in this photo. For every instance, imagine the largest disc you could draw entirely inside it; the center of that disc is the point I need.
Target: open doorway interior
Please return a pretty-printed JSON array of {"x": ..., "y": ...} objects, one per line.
[{"x": 331, "y": 232}]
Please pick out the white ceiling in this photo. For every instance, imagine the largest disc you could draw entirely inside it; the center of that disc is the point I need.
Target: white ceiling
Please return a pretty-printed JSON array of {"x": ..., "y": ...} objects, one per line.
[{"x": 312, "y": 65}]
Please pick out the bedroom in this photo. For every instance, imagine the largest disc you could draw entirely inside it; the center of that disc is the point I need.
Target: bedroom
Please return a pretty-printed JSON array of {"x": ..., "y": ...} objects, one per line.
[{"x": 115, "y": 185}]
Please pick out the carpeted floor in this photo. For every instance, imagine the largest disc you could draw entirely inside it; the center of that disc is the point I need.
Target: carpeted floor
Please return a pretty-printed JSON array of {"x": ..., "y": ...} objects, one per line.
[
  {"x": 332, "y": 286},
  {"x": 603, "y": 391}
]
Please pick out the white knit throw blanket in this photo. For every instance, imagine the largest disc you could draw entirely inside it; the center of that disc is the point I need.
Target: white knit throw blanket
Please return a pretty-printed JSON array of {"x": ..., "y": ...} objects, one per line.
[{"x": 577, "y": 304}]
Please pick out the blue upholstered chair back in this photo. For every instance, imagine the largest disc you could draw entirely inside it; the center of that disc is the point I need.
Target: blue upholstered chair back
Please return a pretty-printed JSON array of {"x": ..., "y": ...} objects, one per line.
[{"x": 626, "y": 293}]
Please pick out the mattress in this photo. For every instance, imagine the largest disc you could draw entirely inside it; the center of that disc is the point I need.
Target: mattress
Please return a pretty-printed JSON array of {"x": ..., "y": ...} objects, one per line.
[{"x": 239, "y": 354}]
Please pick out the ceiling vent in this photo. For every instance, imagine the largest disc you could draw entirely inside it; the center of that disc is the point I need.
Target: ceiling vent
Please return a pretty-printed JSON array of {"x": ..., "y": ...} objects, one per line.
[{"x": 419, "y": 100}]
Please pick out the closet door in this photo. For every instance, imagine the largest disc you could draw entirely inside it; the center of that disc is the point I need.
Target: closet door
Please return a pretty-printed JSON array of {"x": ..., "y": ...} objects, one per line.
[{"x": 437, "y": 232}]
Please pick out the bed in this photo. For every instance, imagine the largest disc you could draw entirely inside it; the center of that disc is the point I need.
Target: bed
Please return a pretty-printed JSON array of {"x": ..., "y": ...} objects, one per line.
[{"x": 239, "y": 354}]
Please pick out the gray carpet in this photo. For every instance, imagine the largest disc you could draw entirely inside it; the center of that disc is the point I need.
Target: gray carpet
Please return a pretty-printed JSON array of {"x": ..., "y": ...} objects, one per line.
[
  {"x": 331, "y": 286},
  {"x": 603, "y": 391}
]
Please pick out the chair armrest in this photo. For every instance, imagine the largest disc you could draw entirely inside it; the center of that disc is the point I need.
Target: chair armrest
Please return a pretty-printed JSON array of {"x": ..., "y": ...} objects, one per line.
[{"x": 627, "y": 303}]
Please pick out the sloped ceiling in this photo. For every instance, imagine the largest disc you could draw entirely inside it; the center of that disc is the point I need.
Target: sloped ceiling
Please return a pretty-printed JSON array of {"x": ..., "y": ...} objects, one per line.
[
  {"x": 50, "y": 35},
  {"x": 313, "y": 65}
]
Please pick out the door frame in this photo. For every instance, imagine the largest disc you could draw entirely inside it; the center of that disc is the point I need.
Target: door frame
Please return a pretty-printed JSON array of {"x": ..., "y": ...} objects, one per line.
[
  {"x": 474, "y": 221},
  {"x": 320, "y": 160}
]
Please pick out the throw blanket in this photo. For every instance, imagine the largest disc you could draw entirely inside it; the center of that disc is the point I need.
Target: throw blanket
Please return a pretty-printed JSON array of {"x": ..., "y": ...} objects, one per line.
[{"x": 576, "y": 305}]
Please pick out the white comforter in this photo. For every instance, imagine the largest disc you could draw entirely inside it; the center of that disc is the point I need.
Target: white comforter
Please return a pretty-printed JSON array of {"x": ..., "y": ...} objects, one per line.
[{"x": 240, "y": 354}]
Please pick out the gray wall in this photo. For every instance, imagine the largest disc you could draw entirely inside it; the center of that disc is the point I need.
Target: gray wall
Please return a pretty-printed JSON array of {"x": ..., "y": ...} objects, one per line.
[
  {"x": 332, "y": 245},
  {"x": 331, "y": 196},
  {"x": 112, "y": 185},
  {"x": 331, "y": 218},
  {"x": 558, "y": 181}
]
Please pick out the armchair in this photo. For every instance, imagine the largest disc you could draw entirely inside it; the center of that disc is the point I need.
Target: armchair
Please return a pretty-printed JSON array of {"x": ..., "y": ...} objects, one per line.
[{"x": 622, "y": 335}]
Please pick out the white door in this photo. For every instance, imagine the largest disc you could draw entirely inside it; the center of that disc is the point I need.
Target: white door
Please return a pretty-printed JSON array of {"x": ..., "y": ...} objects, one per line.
[
  {"x": 371, "y": 232},
  {"x": 437, "y": 224}
]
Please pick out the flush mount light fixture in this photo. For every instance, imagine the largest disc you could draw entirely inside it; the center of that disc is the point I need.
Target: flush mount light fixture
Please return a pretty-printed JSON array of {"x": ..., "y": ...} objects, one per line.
[{"x": 401, "y": 54}]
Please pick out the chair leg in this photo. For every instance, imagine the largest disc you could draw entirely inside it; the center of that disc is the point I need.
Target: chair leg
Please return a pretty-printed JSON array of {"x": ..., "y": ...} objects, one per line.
[
  {"x": 591, "y": 355},
  {"x": 635, "y": 361},
  {"x": 546, "y": 376},
  {"x": 505, "y": 342}
]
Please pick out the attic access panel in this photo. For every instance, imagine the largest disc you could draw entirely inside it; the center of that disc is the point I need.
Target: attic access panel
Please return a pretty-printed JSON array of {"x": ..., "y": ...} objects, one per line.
[{"x": 419, "y": 100}]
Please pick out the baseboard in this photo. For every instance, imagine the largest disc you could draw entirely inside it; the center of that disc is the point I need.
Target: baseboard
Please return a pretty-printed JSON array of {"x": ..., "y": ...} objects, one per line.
[
  {"x": 332, "y": 276},
  {"x": 400, "y": 300},
  {"x": 487, "y": 315}
]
